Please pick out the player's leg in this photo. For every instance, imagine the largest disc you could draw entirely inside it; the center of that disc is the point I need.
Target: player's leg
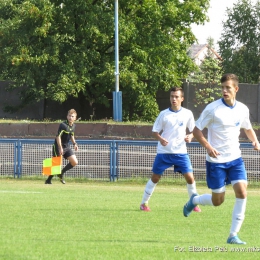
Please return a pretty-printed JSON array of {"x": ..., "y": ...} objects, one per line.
[
  {"x": 148, "y": 191},
  {"x": 73, "y": 161},
  {"x": 48, "y": 181},
  {"x": 215, "y": 199},
  {"x": 159, "y": 166},
  {"x": 216, "y": 175},
  {"x": 238, "y": 172},
  {"x": 183, "y": 165},
  {"x": 238, "y": 214},
  {"x": 191, "y": 187}
]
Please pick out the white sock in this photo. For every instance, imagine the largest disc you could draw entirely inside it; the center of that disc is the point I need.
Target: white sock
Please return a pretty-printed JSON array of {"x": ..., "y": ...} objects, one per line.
[
  {"x": 238, "y": 216},
  {"x": 191, "y": 188},
  {"x": 204, "y": 199},
  {"x": 148, "y": 191}
]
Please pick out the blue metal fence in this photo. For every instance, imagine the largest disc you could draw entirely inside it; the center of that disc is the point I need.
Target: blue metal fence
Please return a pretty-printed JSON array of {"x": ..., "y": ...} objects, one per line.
[
  {"x": 8, "y": 156},
  {"x": 107, "y": 159}
]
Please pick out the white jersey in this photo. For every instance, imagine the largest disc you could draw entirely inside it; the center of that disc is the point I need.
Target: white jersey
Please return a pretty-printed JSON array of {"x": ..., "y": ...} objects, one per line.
[
  {"x": 224, "y": 123},
  {"x": 173, "y": 126}
]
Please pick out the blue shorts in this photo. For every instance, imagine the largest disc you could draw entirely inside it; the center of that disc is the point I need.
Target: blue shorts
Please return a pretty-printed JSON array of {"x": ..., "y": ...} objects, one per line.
[
  {"x": 221, "y": 174},
  {"x": 181, "y": 163}
]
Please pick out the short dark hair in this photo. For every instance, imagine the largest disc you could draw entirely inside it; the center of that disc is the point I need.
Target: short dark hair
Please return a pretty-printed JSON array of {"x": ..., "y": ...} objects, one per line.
[
  {"x": 230, "y": 76},
  {"x": 174, "y": 89}
]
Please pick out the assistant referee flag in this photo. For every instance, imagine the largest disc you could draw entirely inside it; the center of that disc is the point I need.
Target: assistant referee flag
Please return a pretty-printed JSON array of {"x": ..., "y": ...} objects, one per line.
[{"x": 52, "y": 166}]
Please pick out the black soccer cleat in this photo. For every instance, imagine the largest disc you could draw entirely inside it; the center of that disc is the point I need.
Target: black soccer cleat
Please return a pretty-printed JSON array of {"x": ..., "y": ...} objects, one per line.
[{"x": 48, "y": 182}]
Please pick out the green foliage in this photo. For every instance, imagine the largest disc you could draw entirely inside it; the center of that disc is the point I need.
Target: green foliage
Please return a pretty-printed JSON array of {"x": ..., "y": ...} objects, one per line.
[
  {"x": 208, "y": 74},
  {"x": 240, "y": 41},
  {"x": 58, "y": 51}
]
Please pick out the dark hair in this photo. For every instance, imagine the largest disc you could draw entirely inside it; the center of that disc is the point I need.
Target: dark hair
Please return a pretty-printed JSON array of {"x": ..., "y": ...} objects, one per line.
[
  {"x": 230, "y": 76},
  {"x": 174, "y": 89}
]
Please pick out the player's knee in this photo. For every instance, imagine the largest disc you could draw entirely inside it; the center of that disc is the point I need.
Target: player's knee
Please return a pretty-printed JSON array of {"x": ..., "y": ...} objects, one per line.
[
  {"x": 189, "y": 178},
  {"x": 218, "y": 201},
  {"x": 155, "y": 178},
  {"x": 74, "y": 163},
  {"x": 241, "y": 194}
]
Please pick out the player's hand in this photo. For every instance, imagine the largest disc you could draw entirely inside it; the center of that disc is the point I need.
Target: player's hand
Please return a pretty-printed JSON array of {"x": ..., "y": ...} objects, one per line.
[
  {"x": 256, "y": 146},
  {"x": 61, "y": 151},
  {"x": 76, "y": 147},
  {"x": 164, "y": 142},
  {"x": 212, "y": 152},
  {"x": 188, "y": 138}
]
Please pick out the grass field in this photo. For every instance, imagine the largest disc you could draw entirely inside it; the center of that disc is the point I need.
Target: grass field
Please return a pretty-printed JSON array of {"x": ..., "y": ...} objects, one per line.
[{"x": 98, "y": 220}]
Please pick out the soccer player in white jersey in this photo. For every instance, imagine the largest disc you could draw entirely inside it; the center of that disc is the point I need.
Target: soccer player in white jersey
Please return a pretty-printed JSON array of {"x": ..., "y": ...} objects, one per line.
[
  {"x": 224, "y": 165},
  {"x": 170, "y": 131}
]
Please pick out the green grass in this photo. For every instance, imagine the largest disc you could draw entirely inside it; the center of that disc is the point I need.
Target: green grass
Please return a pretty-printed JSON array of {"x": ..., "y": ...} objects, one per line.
[{"x": 98, "y": 220}]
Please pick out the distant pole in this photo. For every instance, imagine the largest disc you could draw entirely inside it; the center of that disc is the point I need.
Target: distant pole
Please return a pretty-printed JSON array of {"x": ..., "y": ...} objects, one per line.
[
  {"x": 117, "y": 95},
  {"x": 116, "y": 47}
]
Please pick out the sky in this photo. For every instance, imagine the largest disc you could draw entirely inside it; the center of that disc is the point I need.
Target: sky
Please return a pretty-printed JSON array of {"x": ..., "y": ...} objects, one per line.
[{"x": 217, "y": 14}]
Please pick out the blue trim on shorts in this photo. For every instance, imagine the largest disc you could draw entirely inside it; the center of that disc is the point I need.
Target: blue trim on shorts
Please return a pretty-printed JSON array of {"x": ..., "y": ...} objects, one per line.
[
  {"x": 221, "y": 174},
  {"x": 181, "y": 163}
]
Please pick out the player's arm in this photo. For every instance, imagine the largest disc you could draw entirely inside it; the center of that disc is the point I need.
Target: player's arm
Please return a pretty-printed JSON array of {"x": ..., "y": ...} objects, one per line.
[
  {"x": 212, "y": 152},
  {"x": 159, "y": 138},
  {"x": 250, "y": 133},
  {"x": 72, "y": 138},
  {"x": 58, "y": 139},
  {"x": 189, "y": 128}
]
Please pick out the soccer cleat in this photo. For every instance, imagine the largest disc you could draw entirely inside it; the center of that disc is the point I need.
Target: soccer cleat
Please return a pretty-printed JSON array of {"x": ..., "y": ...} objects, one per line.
[
  {"x": 235, "y": 240},
  {"x": 48, "y": 182},
  {"x": 197, "y": 209},
  {"x": 61, "y": 179},
  {"x": 145, "y": 207},
  {"x": 189, "y": 206}
]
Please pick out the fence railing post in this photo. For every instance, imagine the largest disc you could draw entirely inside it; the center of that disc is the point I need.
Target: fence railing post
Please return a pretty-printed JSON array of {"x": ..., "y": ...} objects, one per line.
[
  {"x": 18, "y": 159},
  {"x": 112, "y": 161}
]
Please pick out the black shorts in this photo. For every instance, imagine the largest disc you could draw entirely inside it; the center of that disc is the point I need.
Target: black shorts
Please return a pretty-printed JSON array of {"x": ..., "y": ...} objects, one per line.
[{"x": 67, "y": 152}]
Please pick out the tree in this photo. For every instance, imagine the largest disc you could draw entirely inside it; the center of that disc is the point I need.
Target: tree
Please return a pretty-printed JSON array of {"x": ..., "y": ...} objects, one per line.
[
  {"x": 240, "y": 41},
  {"x": 209, "y": 74},
  {"x": 66, "y": 49}
]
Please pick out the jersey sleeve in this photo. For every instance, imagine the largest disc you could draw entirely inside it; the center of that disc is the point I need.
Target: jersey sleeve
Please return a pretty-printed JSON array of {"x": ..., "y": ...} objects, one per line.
[
  {"x": 204, "y": 119},
  {"x": 61, "y": 130},
  {"x": 246, "y": 124},
  {"x": 158, "y": 124},
  {"x": 191, "y": 122}
]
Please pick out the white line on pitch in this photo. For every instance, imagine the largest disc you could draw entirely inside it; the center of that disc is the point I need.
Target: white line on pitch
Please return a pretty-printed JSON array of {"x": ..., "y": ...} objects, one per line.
[{"x": 11, "y": 191}]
